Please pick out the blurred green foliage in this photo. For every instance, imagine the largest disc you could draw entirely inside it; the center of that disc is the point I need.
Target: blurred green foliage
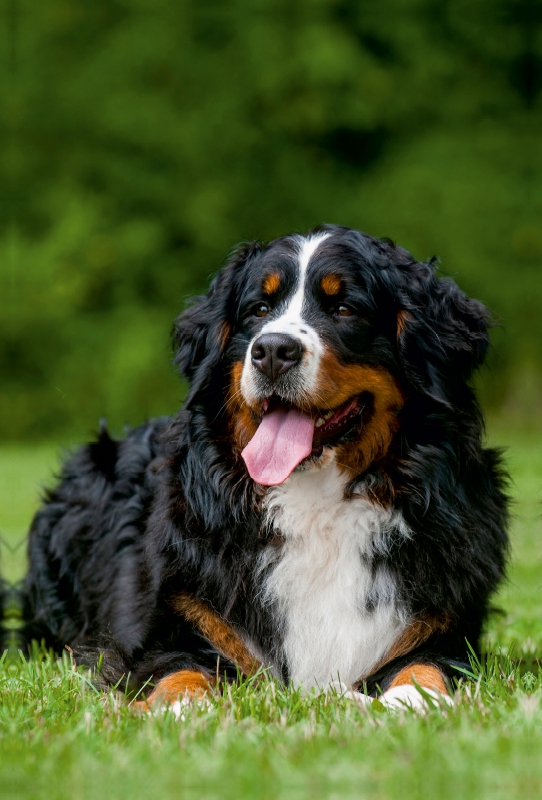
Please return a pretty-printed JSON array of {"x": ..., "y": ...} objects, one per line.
[{"x": 143, "y": 138}]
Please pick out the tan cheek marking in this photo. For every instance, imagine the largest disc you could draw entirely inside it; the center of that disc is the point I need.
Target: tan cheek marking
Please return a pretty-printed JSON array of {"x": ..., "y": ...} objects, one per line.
[
  {"x": 243, "y": 421},
  {"x": 403, "y": 317},
  {"x": 271, "y": 283},
  {"x": 337, "y": 383},
  {"x": 216, "y": 630},
  {"x": 424, "y": 675},
  {"x": 224, "y": 334},
  {"x": 331, "y": 285},
  {"x": 185, "y": 683}
]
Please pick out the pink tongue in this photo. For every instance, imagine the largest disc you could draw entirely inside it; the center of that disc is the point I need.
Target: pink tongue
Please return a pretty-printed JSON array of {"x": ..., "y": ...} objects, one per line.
[{"x": 282, "y": 441}]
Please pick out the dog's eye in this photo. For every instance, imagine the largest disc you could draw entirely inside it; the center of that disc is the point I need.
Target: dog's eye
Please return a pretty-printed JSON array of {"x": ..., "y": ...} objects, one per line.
[
  {"x": 261, "y": 310},
  {"x": 343, "y": 311}
]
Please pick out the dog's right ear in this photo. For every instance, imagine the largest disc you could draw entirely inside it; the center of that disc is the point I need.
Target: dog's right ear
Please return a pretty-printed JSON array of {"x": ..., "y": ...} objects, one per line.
[
  {"x": 442, "y": 335},
  {"x": 201, "y": 333}
]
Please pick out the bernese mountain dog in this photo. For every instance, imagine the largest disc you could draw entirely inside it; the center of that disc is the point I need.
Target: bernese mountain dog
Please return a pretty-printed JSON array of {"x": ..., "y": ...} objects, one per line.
[{"x": 322, "y": 506}]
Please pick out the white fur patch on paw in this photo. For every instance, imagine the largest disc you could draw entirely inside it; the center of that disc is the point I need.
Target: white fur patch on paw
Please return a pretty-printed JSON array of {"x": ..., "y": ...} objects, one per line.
[
  {"x": 409, "y": 696},
  {"x": 342, "y": 690},
  {"x": 358, "y": 697},
  {"x": 182, "y": 708}
]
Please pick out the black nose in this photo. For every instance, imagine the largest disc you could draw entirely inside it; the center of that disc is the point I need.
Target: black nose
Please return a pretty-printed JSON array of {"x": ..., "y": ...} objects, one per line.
[{"x": 275, "y": 353}]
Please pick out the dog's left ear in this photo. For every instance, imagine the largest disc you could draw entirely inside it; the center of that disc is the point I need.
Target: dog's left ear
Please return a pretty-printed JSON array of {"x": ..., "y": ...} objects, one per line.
[
  {"x": 202, "y": 331},
  {"x": 442, "y": 334}
]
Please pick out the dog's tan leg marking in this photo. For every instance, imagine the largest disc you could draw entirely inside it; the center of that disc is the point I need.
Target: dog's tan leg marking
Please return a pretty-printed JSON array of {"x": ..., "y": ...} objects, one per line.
[
  {"x": 186, "y": 683},
  {"x": 425, "y": 675},
  {"x": 415, "y": 635},
  {"x": 190, "y": 683},
  {"x": 216, "y": 630}
]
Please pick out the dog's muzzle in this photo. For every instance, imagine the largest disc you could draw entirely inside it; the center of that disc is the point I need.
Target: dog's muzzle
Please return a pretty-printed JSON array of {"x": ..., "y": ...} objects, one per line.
[{"x": 273, "y": 354}]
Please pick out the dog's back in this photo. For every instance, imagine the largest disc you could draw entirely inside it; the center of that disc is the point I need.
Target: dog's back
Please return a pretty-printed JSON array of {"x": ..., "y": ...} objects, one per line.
[{"x": 86, "y": 536}]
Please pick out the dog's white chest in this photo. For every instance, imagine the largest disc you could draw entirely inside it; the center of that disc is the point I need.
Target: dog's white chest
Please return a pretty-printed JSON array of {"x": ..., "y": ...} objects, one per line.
[{"x": 339, "y": 617}]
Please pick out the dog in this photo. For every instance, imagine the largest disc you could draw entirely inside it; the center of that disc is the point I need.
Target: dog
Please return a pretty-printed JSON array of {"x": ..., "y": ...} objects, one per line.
[{"x": 322, "y": 505}]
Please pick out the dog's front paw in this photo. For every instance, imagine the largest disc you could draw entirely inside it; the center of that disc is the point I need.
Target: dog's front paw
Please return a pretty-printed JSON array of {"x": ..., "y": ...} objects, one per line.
[
  {"x": 342, "y": 690},
  {"x": 409, "y": 696}
]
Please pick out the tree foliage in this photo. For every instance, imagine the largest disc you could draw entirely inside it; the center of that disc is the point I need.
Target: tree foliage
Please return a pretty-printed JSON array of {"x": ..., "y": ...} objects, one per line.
[{"x": 144, "y": 138}]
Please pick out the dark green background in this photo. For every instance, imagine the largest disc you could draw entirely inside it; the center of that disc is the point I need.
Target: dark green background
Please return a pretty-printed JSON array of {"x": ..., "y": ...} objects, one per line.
[{"x": 142, "y": 139}]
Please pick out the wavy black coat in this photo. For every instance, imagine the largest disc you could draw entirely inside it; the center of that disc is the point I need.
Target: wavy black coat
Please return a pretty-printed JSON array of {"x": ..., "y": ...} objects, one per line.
[{"x": 171, "y": 506}]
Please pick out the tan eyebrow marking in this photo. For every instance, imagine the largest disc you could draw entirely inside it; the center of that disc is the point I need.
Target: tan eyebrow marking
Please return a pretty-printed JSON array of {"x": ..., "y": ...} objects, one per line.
[
  {"x": 271, "y": 283},
  {"x": 331, "y": 284}
]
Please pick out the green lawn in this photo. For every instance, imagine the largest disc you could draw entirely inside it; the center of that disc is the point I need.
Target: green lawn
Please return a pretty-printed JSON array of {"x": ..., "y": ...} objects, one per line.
[{"x": 60, "y": 739}]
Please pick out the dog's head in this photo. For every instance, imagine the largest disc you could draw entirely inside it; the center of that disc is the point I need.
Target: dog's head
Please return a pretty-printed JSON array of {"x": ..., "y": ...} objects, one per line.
[{"x": 315, "y": 343}]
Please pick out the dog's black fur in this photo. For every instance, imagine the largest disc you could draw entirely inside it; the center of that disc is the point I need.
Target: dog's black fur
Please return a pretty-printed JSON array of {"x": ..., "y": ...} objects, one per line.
[{"x": 171, "y": 507}]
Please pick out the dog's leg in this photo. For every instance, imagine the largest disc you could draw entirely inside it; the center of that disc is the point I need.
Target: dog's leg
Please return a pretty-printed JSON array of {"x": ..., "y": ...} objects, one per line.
[
  {"x": 177, "y": 688},
  {"x": 425, "y": 675},
  {"x": 403, "y": 690}
]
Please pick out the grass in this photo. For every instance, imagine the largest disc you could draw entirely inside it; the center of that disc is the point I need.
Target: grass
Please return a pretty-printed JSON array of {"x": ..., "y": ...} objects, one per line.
[{"x": 61, "y": 739}]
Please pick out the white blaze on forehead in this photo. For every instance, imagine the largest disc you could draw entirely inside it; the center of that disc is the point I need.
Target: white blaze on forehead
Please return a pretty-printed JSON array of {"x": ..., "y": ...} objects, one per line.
[
  {"x": 291, "y": 322},
  {"x": 291, "y": 318}
]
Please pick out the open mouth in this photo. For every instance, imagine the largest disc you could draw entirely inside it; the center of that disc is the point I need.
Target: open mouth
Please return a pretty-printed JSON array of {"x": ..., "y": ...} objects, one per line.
[
  {"x": 334, "y": 425},
  {"x": 287, "y": 436}
]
